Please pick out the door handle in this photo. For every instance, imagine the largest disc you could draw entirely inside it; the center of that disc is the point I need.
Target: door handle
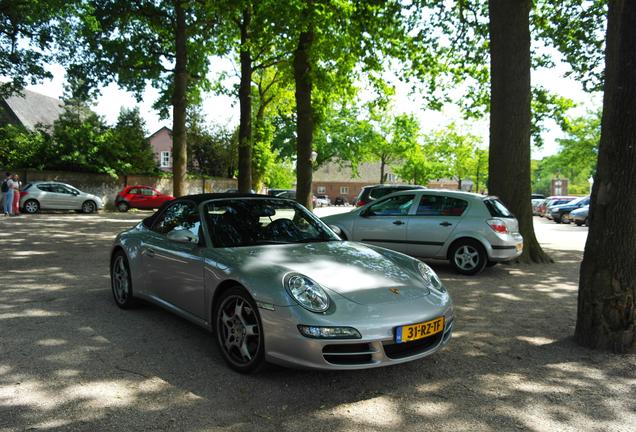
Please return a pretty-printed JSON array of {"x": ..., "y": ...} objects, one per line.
[
  {"x": 446, "y": 224},
  {"x": 150, "y": 253},
  {"x": 398, "y": 222}
]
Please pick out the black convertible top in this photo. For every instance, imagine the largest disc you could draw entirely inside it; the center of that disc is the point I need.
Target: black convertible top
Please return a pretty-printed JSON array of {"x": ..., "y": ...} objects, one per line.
[{"x": 198, "y": 199}]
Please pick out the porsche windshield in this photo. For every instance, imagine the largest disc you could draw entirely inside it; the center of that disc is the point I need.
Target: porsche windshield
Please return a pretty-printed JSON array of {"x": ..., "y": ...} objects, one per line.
[{"x": 257, "y": 221}]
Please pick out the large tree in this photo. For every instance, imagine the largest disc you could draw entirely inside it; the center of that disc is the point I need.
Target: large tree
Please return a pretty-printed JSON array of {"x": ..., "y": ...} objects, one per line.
[
  {"x": 510, "y": 118},
  {"x": 166, "y": 44},
  {"x": 606, "y": 317}
]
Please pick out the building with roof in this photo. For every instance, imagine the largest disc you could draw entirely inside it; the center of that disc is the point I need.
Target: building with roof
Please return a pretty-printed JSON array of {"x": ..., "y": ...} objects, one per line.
[
  {"x": 30, "y": 110},
  {"x": 161, "y": 145}
]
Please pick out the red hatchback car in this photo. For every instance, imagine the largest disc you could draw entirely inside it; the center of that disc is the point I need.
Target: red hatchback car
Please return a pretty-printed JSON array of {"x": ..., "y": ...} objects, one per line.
[{"x": 140, "y": 197}]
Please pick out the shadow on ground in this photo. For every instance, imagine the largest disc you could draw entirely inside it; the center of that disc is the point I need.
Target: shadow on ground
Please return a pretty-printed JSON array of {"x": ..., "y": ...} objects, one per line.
[{"x": 71, "y": 360}]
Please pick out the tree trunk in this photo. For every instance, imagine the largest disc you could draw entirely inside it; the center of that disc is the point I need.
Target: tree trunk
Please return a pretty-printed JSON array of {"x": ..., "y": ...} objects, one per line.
[
  {"x": 245, "y": 100},
  {"x": 607, "y": 287},
  {"x": 509, "y": 161},
  {"x": 459, "y": 183},
  {"x": 304, "y": 117},
  {"x": 382, "y": 168},
  {"x": 179, "y": 105}
]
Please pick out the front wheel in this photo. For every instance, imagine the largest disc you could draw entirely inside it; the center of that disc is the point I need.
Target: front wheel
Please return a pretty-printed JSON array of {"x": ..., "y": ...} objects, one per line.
[
  {"x": 31, "y": 206},
  {"x": 89, "y": 207},
  {"x": 239, "y": 331},
  {"x": 468, "y": 257},
  {"x": 121, "y": 282},
  {"x": 123, "y": 206}
]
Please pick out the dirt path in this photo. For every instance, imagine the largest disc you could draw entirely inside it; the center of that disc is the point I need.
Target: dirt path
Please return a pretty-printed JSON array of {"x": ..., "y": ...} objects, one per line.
[{"x": 71, "y": 360}]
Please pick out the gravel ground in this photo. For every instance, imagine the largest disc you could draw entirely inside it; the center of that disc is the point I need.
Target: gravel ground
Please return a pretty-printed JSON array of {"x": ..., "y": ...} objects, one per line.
[{"x": 71, "y": 360}]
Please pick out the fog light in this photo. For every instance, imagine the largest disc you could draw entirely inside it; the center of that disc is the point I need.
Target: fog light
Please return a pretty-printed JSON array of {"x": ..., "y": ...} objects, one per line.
[{"x": 329, "y": 332}]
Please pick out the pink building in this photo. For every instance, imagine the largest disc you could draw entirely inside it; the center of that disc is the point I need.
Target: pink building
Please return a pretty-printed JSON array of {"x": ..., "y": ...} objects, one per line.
[{"x": 161, "y": 144}]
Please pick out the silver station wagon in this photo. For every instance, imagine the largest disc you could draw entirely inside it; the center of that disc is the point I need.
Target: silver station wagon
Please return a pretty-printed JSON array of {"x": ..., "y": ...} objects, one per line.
[
  {"x": 471, "y": 231},
  {"x": 51, "y": 195}
]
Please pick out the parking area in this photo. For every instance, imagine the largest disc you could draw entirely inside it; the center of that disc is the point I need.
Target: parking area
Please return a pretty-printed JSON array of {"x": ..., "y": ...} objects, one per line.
[{"x": 71, "y": 360}]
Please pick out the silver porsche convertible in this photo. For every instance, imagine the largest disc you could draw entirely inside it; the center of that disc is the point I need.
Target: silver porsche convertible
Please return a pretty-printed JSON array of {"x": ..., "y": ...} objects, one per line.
[{"x": 275, "y": 284}]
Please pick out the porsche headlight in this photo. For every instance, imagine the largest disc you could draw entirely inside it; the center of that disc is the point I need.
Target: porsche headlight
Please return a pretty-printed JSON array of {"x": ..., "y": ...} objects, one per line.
[
  {"x": 430, "y": 277},
  {"x": 307, "y": 293}
]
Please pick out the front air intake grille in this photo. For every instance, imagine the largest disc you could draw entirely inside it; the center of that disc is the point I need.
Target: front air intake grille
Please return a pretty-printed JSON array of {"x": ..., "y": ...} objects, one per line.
[
  {"x": 348, "y": 354},
  {"x": 407, "y": 349}
]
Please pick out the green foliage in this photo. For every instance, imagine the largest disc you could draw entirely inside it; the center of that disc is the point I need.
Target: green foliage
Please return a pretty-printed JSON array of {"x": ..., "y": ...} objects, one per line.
[
  {"x": 130, "y": 146},
  {"x": 213, "y": 150},
  {"x": 282, "y": 175},
  {"x": 28, "y": 32},
  {"x": 576, "y": 159},
  {"x": 20, "y": 148}
]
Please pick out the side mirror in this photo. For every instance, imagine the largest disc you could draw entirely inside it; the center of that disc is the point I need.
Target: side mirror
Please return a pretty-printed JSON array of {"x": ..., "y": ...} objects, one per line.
[
  {"x": 183, "y": 236},
  {"x": 336, "y": 229}
]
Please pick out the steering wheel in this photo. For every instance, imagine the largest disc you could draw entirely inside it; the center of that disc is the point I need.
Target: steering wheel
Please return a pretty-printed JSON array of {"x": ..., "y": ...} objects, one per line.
[{"x": 282, "y": 228}]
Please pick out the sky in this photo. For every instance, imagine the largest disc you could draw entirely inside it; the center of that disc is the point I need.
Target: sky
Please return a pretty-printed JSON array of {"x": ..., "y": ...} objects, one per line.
[{"x": 224, "y": 110}]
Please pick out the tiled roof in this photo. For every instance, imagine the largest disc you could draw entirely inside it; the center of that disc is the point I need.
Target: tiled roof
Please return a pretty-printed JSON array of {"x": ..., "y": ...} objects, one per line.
[{"x": 32, "y": 109}]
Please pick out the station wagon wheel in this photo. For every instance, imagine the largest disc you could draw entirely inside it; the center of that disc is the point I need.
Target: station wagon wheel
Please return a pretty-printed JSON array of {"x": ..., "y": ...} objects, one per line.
[
  {"x": 123, "y": 206},
  {"x": 468, "y": 257},
  {"x": 31, "y": 206},
  {"x": 89, "y": 207},
  {"x": 121, "y": 282},
  {"x": 239, "y": 330}
]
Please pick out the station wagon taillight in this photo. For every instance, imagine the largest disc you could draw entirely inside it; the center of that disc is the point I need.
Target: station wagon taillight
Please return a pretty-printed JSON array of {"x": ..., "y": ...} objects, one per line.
[{"x": 497, "y": 226}]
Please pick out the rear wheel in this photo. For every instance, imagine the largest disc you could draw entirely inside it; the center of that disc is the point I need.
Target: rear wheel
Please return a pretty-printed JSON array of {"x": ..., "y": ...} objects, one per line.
[
  {"x": 578, "y": 223},
  {"x": 239, "y": 332},
  {"x": 89, "y": 207},
  {"x": 31, "y": 206},
  {"x": 468, "y": 257}
]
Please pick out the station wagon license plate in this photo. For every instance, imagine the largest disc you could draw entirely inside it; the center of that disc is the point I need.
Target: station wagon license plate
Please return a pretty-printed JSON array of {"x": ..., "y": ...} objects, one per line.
[{"x": 417, "y": 331}]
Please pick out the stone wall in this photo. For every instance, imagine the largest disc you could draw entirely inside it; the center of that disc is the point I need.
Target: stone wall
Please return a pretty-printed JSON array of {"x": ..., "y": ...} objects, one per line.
[{"x": 107, "y": 187}]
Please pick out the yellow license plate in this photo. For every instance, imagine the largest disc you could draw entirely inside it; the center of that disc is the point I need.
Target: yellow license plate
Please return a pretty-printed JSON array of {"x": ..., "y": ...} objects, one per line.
[
  {"x": 419, "y": 331},
  {"x": 519, "y": 247}
]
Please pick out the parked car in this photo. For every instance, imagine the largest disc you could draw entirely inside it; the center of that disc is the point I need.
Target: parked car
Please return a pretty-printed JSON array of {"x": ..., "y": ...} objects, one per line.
[
  {"x": 236, "y": 191},
  {"x": 140, "y": 197},
  {"x": 536, "y": 202},
  {"x": 537, "y": 196},
  {"x": 553, "y": 200},
  {"x": 275, "y": 284},
  {"x": 468, "y": 229},
  {"x": 581, "y": 216},
  {"x": 322, "y": 201},
  {"x": 340, "y": 201},
  {"x": 284, "y": 193},
  {"x": 559, "y": 213},
  {"x": 373, "y": 192},
  {"x": 52, "y": 195}
]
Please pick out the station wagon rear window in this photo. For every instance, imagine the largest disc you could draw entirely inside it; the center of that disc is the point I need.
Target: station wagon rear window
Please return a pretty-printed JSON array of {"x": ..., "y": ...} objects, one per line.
[{"x": 497, "y": 208}]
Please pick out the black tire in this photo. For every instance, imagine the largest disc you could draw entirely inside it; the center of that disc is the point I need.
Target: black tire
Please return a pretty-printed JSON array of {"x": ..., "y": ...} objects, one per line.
[
  {"x": 491, "y": 263},
  {"x": 121, "y": 282},
  {"x": 468, "y": 257},
  {"x": 232, "y": 330},
  {"x": 578, "y": 223},
  {"x": 89, "y": 207},
  {"x": 31, "y": 206},
  {"x": 557, "y": 220},
  {"x": 123, "y": 206}
]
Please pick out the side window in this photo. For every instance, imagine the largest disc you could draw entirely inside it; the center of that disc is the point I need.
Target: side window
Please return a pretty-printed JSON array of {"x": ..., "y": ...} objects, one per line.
[
  {"x": 430, "y": 205},
  {"x": 379, "y": 192},
  {"x": 454, "y": 206},
  {"x": 134, "y": 191},
  {"x": 394, "y": 206},
  {"x": 59, "y": 189},
  {"x": 183, "y": 215},
  {"x": 147, "y": 192},
  {"x": 44, "y": 187}
]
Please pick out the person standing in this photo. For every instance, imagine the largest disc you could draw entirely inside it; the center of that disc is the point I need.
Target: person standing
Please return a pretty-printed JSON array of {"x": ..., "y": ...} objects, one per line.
[
  {"x": 8, "y": 194},
  {"x": 16, "y": 195}
]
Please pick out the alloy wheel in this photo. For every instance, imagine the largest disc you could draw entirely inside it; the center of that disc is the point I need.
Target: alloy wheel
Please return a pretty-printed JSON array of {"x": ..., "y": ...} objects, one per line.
[
  {"x": 238, "y": 331},
  {"x": 120, "y": 281},
  {"x": 88, "y": 207},
  {"x": 31, "y": 206},
  {"x": 466, "y": 258}
]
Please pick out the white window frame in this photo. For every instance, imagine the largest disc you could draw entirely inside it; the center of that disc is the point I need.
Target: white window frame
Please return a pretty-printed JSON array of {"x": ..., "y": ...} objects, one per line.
[
  {"x": 164, "y": 159},
  {"x": 322, "y": 190},
  {"x": 344, "y": 190}
]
